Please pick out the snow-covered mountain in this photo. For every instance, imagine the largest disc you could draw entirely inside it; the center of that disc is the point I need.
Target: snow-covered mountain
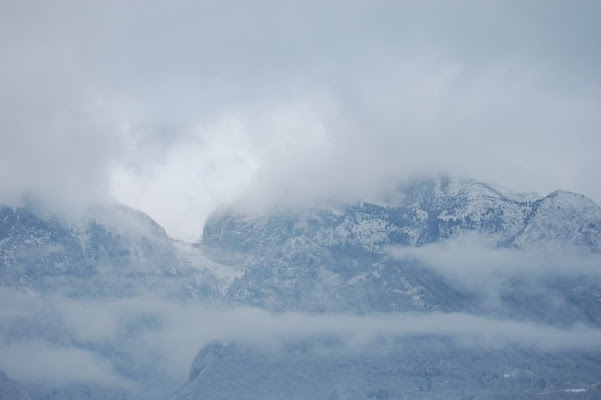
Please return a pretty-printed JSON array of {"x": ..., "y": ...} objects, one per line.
[
  {"x": 338, "y": 259},
  {"x": 63, "y": 281},
  {"x": 110, "y": 251},
  {"x": 423, "y": 212},
  {"x": 425, "y": 368},
  {"x": 9, "y": 390},
  {"x": 335, "y": 259},
  {"x": 538, "y": 264}
]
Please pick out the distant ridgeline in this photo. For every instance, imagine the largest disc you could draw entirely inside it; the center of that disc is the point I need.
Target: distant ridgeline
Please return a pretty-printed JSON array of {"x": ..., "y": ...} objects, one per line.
[{"x": 339, "y": 259}]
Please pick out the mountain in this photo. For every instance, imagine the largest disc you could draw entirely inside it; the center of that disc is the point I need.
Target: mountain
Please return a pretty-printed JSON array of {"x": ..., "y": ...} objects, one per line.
[
  {"x": 339, "y": 259},
  {"x": 423, "y": 212},
  {"x": 62, "y": 281},
  {"x": 103, "y": 289},
  {"x": 424, "y": 368},
  {"x": 9, "y": 390},
  {"x": 110, "y": 251}
]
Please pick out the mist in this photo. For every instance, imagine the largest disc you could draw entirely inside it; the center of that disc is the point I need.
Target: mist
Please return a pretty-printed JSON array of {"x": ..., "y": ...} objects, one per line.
[
  {"x": 176, "y": 108},
  {"x": 475, "y": 264},
  {"x": 475, "y": 259},
  {"x": 147, "y": 331},
  {"x": 179, "y": 108}
]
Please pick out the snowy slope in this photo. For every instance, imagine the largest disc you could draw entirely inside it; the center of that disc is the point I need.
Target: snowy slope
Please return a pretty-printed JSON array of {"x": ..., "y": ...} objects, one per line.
[
  {"x": 426, "y": 368},
  {"x": 111, "y": 251},
  {"x": 9, "y": 390},
  {"x": 564, "y": 221},
  {"x": 338, "y": 259},
  {"x": 63, "y": 284},
  {"x": 331, "y": 259},
  {"x": 426, "y": 211}
]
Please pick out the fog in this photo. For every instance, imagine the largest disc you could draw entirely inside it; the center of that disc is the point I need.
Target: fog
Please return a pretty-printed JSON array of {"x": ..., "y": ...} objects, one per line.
[
  {"x": 474, "y": 259},
  {"x": 46, "y": 363},
  {"x": 119, "y": 342},
  {"x": 161, "y": 336},
  {"x": 178, "y": 107},
  {"x": 475, "y": 264}
]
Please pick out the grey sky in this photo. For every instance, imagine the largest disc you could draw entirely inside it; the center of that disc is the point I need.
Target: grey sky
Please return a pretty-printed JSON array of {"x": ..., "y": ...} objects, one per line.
[{"x": 177, "y": 107}]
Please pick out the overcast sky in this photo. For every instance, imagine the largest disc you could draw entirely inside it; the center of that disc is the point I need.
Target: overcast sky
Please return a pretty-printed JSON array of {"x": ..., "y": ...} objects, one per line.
[{"x": 175, "y": 107}]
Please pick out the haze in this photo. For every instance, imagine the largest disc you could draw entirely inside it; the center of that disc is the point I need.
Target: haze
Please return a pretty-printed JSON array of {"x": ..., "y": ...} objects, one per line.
[{"x": 178, "y": 107}]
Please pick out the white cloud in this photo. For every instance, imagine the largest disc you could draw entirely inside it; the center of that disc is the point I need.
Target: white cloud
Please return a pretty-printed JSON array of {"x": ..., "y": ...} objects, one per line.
[
  {"x": 176, "y": 108},
  {"x": 474, "y": 259},
  {"x": 159, "y": 336},
  {"x": 38, "y": 362}
]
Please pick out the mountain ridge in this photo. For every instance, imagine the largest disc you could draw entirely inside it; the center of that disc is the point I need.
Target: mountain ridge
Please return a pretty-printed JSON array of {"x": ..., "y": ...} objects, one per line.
[{"x": 331, "y": 259}]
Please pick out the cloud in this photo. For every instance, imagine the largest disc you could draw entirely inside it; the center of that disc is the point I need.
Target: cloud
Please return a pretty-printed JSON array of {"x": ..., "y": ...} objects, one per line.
[
  {"x": 178, "y": 107},
  {"x": 156, "y": 337},
  {"x": 39, "y": 362},
  {"x": 473, "y": 260},
  {"x": 265, "y": 329},
  {"x": 473, "y": 264}
]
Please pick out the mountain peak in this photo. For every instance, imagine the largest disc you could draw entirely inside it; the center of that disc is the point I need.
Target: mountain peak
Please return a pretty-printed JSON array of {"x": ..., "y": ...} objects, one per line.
[{"x": 423, "y": 211}]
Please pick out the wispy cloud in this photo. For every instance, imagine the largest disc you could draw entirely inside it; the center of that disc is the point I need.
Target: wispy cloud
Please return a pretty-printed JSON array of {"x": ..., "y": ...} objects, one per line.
[{"x": 474, "y": 260}]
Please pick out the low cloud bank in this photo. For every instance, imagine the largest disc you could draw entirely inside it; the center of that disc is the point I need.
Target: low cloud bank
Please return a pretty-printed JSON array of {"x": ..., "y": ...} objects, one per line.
[
  {"x": 41, "y": 362},
  {"x": 474, "y": 260},
  {"x": 99, "y": 337}
]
